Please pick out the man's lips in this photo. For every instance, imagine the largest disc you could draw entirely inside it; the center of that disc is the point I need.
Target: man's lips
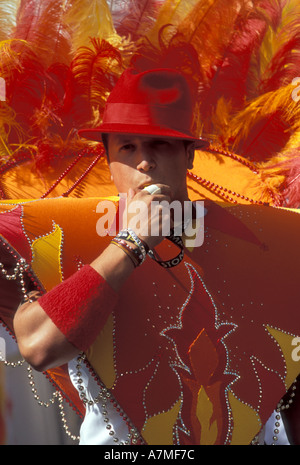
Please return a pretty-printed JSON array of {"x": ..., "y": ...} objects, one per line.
[
  {"x": 146, "y": 184},
  {"x": 142, "y": 186}
]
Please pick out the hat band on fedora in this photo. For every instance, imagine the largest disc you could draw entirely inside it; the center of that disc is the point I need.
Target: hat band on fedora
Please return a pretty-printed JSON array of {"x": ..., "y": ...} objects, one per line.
[{"x": 145, "y": 115}]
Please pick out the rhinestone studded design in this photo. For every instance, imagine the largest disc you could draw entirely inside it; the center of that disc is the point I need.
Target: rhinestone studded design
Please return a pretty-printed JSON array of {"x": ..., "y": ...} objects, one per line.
[{"x": 159, "y": 323}]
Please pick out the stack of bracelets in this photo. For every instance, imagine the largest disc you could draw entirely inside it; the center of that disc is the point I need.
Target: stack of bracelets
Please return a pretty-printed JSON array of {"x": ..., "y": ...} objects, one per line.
[
  {"x": 123, "y": 241},
  {"x": 138, "y": 254}
]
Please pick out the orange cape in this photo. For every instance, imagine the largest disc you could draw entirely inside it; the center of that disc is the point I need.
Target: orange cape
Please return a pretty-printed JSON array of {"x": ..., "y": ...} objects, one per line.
[{"x": 200, "y": 354}]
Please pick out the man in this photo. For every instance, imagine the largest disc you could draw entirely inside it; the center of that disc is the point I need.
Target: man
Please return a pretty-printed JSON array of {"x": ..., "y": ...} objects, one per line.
[
  {"x": 167, "y": 345},
  {"x": 136, "y": 161}
]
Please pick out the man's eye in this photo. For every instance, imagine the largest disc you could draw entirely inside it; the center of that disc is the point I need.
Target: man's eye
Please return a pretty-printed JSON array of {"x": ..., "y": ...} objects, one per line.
[
  {"x": 127, "y": 147},
  {"x": 160, "y": 142}
]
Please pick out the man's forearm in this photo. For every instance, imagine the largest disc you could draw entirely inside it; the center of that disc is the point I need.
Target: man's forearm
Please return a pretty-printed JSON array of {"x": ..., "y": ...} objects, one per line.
[
  {"x": 68, "y": 318},
  {"x": 114, "y": 266}
]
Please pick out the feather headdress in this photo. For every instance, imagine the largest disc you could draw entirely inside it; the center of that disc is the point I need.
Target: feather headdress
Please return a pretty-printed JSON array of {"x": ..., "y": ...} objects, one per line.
[{"x": 61, "y": 58}]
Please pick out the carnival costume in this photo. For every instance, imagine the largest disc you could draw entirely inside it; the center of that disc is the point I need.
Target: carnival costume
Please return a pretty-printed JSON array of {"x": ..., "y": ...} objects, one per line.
[{"x": 207, "y": 350}]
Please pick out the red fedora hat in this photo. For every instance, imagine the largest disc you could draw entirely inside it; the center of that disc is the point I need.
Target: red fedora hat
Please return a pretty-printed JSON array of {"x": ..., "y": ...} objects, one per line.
[{"x": 152, "y": 103}]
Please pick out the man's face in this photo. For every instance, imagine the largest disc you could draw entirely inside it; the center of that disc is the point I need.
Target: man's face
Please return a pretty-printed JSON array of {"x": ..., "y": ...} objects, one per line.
[{"x": 137, "y": 161}]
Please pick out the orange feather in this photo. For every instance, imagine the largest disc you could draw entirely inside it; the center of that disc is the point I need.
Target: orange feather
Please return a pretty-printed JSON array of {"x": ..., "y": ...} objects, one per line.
[{"x": 95, "y": 71}]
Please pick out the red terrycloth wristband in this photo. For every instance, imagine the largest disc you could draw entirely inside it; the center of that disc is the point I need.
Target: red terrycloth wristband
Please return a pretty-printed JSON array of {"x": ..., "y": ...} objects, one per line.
[{"x": 80, "y": 306}]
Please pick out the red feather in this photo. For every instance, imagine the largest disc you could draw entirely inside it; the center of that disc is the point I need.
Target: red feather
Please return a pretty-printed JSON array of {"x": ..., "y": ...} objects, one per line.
[
  {"x": 134, "y": 17},
  {"x": 285, "y": 65},
  {"x": 290, "y": 168},
  {"x": 292, "y": 183},
  {"x": 266, "y": 137},
  {"x": 232, "y": 75},
  {"x": 41, "y": 25}
]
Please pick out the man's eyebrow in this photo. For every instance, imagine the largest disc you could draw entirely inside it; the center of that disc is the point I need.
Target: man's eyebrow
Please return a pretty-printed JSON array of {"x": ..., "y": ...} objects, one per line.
[{"x": 124, "y": 139}]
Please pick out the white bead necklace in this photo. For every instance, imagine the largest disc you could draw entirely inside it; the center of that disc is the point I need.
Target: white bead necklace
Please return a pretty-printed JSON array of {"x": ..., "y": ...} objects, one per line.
[
  {"x": 280, "y": 407},
  {"x": 19, "y": 271},
  {"x": 103, "y": 399}
]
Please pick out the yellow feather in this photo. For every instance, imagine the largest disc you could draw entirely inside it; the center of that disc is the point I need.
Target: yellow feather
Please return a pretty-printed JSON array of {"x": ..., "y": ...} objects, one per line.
[
  {"x": 5, "y": 152},
  {"x": 210, "y": 27},
  {"x": 88, "y": 19},
  {"x": 221, "y": 116},
  {"x": 8, "y": 120},
  {"x": 8, "y": 13},
  {"x": 264, "y": 106},
  {"x": 7, "y": 124},
  {"x": 267, "y": 50},
  {"x": 172, "y": 12},
  {"x": 10, "y": 62},
  {"x": 294, "y": 141}
]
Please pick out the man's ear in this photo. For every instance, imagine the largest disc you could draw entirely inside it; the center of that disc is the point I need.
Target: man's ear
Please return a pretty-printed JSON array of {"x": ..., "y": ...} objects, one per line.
[{"x": 190, "y": 155}]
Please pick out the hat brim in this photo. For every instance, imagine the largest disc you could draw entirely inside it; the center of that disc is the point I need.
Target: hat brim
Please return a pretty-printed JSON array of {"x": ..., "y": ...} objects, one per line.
[{"x": 141, "y": 130}]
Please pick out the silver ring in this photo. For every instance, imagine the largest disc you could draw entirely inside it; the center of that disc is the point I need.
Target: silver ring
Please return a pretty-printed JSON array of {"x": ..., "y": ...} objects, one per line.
[{"x": 153, "y": 189}]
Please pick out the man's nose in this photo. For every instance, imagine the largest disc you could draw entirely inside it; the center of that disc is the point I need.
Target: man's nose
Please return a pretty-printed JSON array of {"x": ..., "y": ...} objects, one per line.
[{"x": 146, "y": 160}]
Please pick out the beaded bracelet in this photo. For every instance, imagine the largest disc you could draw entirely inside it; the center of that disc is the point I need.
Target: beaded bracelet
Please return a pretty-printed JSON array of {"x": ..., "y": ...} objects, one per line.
[
  {"x": 139, "y": 242},
  {"x": 127, "y": 236},
  {"x": 135, "y": 254},
  {"x": 130, "y": 236}
]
